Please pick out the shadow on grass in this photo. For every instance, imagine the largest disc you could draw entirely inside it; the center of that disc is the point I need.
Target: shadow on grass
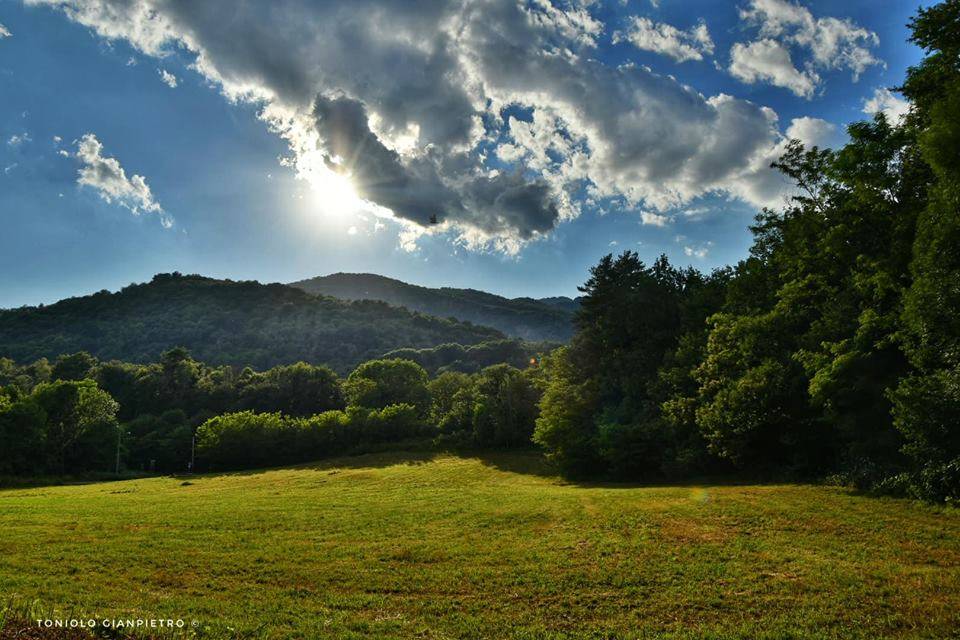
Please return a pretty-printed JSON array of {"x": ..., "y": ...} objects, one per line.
[
  {"x": 526, "y": 462},
  {"x": 534, "y": 462},
  {"x": 11, "y": 483},
  {"x": 369, "y": 460},
  {"x": 530, "y": 462}
]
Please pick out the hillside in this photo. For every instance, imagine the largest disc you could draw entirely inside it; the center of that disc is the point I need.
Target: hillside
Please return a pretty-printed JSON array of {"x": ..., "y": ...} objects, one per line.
[
  {"x": 396, "y": 545},
  {"x": 225, "y": 322},
  {"x": 548, "y": 320}
]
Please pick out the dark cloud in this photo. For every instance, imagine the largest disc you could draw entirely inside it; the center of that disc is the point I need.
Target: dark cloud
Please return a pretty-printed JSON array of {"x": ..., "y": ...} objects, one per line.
[{"x": 414, "y": 188}]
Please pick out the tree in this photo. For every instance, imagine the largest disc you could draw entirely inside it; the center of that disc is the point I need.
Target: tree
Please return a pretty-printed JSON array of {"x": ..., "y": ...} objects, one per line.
[
  {"x": 379, "y": 383},
  {"x": 446, "y": 390},
  {"x": 299, "y": 389},
  {"x": 566, "y": 426},
  {"x": 76, "y": 413},
  {"x": 927, "y": 403},
  {"x": 22, "y": 433},
  {"x": 505, "y": 407},
  {"x": 75, "y": 366}
]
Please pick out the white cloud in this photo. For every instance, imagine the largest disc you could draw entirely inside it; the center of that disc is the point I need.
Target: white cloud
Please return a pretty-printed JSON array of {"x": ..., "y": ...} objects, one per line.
[
  {"x": 831, "y": 42},
  {"x": 886, "y": 102},
  {"x": 19, "y": 139},
  {"x": 768, "y": 61},
  {"x": 7, "y": 170},
  {"x": 408, "y": 98},
  {"x": 654, "y": 219},
  {"x": 665, "y": 39},
  {"x": 108, "y": 178},
  {"x": 696, "y": 252},
  {"x": 4, "y": 32},
  {"x": 695, "y": 213},
  {"x": 811, "y": 131},
  {"x": 168, "y": 78}
]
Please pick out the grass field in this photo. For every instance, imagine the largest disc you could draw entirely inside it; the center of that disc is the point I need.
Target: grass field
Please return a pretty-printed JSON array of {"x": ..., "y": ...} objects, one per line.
[{"x": 443, "y": 547}]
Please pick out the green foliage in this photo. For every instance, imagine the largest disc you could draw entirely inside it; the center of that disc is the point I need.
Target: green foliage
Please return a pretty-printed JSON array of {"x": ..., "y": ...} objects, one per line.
[
  {"x": 566, "y": 427},
  {"x": 299, "y": 389},
  {"x": 380, "y": 383},
  {"x": 248, "y": 440},
  {"x": 927, "y": 403},
  {"x": 495, "y": 408},
  {"x": 22, "y": 436},
  {"x": 447, "y": 391},
  {"x": 76, "y": 366},
  {"x": 603, "y": 396},
  {"x": 159, "y": 443},
  {"x": 58, "y": 426},
  {"x": 472, "y": 358},
  {"x": 506, "y": 407}
]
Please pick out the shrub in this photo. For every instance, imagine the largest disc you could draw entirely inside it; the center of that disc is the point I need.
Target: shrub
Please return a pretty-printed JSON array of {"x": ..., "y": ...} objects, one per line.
[{"x": 247, "y": 440}]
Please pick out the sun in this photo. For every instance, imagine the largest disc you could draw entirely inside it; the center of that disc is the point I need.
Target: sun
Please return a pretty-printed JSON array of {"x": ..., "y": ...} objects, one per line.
[{"x": 333, "y": 192}]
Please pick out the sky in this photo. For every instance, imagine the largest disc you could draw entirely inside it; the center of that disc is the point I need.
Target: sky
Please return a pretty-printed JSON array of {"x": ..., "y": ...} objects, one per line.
[{"x": 503, "y": 145}]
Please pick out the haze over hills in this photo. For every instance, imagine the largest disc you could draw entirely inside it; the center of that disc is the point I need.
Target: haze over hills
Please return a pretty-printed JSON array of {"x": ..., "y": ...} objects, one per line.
[
  {"x": 225, "y": 322},
  {"x": 549, "y": 319}
]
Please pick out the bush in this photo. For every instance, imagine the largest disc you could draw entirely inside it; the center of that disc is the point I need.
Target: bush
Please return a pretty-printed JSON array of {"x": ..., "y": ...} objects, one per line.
[{"x": 247, "y": 440}]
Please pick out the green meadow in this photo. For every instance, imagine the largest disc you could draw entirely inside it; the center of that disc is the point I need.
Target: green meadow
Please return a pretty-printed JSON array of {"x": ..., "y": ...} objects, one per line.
[{"x": 409, "y": 546}]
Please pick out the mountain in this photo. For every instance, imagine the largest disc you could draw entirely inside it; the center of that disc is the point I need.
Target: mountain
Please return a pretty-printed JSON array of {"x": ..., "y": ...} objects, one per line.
[
  {"x": 548, "y": 320},
  {"x": 225, "y": 322},
  {"x": 570, "y": 305}
]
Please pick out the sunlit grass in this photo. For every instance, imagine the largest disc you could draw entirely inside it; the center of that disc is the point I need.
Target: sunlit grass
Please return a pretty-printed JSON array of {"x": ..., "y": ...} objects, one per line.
[{"x": 382, "y": 546}]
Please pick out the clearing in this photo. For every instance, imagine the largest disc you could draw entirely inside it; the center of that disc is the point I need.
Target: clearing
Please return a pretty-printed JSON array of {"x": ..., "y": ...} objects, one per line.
[{"x": 413, "y": 545}]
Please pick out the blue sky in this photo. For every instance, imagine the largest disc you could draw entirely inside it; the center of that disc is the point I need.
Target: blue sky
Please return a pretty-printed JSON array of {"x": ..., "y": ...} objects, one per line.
[{"x": 539, "y": 136}]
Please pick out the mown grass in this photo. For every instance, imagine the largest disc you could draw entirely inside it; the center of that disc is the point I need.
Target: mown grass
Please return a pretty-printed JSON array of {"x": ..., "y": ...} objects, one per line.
[{"x": 390, "y": 546}]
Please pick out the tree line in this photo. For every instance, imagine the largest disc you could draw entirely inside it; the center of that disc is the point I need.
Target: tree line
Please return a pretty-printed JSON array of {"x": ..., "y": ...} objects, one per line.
[
  {"x": 79, "y": 415},
  {"x": 834, "y": 348}
]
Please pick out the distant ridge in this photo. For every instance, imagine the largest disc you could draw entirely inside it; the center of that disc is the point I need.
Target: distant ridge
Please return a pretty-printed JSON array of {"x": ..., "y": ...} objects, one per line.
[
  {"x": 225, "y": 322},
  {"x": 550, "y": 319}
]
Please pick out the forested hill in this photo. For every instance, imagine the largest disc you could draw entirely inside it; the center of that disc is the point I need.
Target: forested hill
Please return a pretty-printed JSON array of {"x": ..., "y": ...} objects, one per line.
[
  {"x": 526, "y": 318},
  {"x": 225, "y": 322}
]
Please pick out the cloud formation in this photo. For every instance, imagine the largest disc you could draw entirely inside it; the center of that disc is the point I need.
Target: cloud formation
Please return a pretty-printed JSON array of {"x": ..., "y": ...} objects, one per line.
[
  {"x": 167, "y": 78},
  {"x": 831, "y": 43},
  {"x": 108, "y": 178},
  {"x": 18, "y": 139},
  {"x": 768, "y": 61},
  {"x": 4, "y": 32},
  {"x": 886, "y": 102},
  {"x": 478, "y": 119},
  {"x": 654, "y": 219},
  {"x": 665, "y": 39}
]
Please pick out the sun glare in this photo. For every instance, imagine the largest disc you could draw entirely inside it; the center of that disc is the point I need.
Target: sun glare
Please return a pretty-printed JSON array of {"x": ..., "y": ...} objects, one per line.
[{"x": 334, "y": 193}]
